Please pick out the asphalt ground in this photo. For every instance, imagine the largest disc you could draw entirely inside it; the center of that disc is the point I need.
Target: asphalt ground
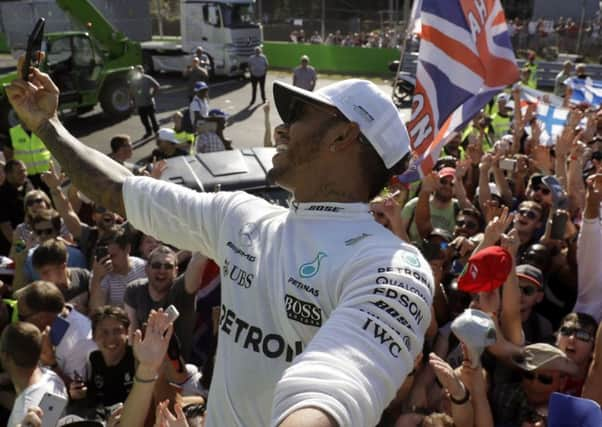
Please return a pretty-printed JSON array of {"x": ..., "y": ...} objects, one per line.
[{"x": 246, "y": 125}]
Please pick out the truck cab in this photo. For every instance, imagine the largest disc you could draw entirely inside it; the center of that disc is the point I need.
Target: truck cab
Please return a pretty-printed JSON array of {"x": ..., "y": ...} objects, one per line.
[{"x": 226, "y": 30}]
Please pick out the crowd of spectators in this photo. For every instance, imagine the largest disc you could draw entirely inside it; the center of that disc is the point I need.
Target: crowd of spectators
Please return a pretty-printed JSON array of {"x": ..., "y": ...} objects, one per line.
[
  {"x": 386, "y": 38},
  {"x": 561, "y": 34},
  {"x": 510, "y": 227}
]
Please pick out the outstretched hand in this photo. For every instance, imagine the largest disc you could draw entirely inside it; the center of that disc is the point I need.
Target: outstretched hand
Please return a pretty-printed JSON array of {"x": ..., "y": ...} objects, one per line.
[
  {"x": 165, "y": 418},
  {"x": 35, "y": 101},
  {"x": 150, "y": 351}
]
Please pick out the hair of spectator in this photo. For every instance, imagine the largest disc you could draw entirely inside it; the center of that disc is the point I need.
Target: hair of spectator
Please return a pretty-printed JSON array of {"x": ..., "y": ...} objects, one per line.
[
  {"x": 11, "y": 165},
  {"x": 49, "y": 215},
  {"x": 109, "y": 312},
  {"x": 119, "y": 236},
  {"x": 50, "y": 252},
  {"x": 585, "y": 320},
  {"x": 41, "y": 296},
  {"x": 533, "y": 205},
  {"x": 22, "y": 342},
  {"x": 119, "y": 141},
  {"x": 161, "y": 250},
  {"x": 35, "y": 194}
]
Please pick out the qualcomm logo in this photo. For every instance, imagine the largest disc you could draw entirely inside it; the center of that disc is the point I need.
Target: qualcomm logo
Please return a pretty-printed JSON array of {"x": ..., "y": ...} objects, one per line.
[{"x": 310, "y": 269}]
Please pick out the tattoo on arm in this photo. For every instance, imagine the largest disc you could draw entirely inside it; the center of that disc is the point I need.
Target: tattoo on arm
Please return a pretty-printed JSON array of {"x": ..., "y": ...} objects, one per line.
[{"x": 96, "y": 175}]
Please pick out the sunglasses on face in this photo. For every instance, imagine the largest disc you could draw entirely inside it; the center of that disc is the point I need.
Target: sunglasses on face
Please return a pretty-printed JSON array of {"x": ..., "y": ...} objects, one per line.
[
  {"x": 297, "y": 109},
  {"x": 446, "y": 181},
  {"x": 37, "y": 201},
  {"x": 528, "y": 290},
  {"x": 158, "y": 265},
  {"x": 542, "y": 378},
  {"x": 44, "y": 231},
  {"x": 543, "y": 190},
  {"x": 580, "y": 334},
  {"x": 528, "y": 213},
  {"x": 467, "y": 224}
]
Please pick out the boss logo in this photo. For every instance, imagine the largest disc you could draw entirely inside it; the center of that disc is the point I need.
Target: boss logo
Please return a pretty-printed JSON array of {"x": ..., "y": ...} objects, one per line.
[{"x": 303, "y": 311}]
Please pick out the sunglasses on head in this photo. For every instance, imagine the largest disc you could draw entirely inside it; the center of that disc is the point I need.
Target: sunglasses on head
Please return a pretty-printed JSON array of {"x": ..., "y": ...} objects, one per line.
[
  {"x": 44, "y": 231},
  {"x": 467, "y": 224},
  {"x": 35, "y": 201},
  {"x": 158, "y": 265},
  {"x": 544, "y": 190},
  {"x": 580, "y": 334},
  {"x": 528, "y": 290},
  {"x": 542, "y": 378},
  {"x": 528, "y": 213}
]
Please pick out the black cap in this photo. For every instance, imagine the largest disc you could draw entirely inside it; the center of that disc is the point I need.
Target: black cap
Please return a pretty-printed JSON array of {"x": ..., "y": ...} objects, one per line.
[{"x": 444, "y": 234}]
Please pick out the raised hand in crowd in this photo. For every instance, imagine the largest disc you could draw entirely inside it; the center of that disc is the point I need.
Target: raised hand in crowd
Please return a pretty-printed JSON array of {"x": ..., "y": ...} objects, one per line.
[
  {"x": 387, "y": 212},
  {"x": 496, "y": 227},
  {"x": 114, "y": 419},
  {"x": 149, "y": 350},
  {"x": 593, "y": 196},
  {"x": 157, "y": 168},
  {"x": 165, "y": 418},
  {"x": 33, "y": 418},
  {"x": 52, "y": 178},
  {"x": 457, "y": 392}
]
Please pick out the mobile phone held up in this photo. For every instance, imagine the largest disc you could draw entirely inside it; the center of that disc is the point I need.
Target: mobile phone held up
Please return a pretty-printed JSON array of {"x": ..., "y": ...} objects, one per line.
[
  {"x": 34, "y": 44},
  {"x": 53, "y": 407}
]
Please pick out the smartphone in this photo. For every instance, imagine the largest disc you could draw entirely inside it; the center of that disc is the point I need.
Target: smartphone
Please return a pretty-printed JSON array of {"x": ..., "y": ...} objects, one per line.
[
  {"x": 559, "y": 221},
  {"x": 53, "y": 406},
  {"x": 34, "y": 44},
  {"x": 559, "y": 197},
  {"x": 508, "y": 165},
  {"x": 57, "y": 330},
  {"x": 172, "y": 313},
  {"x": 101, "y": 252}
]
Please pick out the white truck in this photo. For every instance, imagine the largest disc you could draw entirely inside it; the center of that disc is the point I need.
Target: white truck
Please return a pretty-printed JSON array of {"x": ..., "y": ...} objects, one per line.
[{"x": 226, "y": 29}]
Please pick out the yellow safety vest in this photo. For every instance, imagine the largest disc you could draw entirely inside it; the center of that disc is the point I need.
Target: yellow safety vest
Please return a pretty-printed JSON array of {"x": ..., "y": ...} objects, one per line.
[
  {"x": 532, "y": 83},
  {"x": 12, "y": 303},
  {"x": 183, "y": 137},
  {"x": 500, "y": 125},
  {"x": 30, "y": 150}
]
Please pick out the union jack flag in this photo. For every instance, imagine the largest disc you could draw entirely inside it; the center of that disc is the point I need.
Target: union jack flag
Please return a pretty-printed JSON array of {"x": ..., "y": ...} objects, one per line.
[{"x": 465, "y": 58}]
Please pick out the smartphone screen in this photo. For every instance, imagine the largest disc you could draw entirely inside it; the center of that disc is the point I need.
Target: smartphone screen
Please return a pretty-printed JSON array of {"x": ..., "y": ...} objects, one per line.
[
  {"x": 57, "y": 330},
  {"x": 558, "y": 226}
]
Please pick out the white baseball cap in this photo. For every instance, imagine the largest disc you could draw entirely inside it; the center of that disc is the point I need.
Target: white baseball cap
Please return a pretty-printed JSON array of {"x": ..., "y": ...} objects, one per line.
[
  {"x": 168, "y": 135},
  {"x": 476, "y": 330},
  {"x": 361, "y": 102}
]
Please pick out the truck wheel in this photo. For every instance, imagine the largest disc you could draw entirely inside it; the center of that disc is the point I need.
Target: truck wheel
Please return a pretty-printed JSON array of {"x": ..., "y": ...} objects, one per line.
[{"x": 115, "y": 99}]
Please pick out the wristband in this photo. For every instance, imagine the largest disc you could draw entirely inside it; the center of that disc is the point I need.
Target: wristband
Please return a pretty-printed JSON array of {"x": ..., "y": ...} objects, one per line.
[
  {"x": 461, "y": 401},
  {"x": 145, "y": 381}
]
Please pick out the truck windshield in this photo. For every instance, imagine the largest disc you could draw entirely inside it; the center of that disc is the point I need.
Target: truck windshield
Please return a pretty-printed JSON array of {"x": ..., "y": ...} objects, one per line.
[{"x": 238, "y": 15}]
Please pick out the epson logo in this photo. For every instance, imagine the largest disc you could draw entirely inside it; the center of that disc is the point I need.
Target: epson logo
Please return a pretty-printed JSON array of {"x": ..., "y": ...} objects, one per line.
[
  {"x": 324, "y": 208},
  {"x": 303, "y": 311}
]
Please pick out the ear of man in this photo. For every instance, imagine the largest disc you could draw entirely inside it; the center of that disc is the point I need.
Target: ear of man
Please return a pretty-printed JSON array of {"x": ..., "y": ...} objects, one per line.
[{"x": 347, "y": 135}]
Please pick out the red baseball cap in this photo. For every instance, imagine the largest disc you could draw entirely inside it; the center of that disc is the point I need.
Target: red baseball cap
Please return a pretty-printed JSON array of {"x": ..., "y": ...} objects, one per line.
[
  {"x": 447, "y": 171},
  {"x": 486, "y": 270}
]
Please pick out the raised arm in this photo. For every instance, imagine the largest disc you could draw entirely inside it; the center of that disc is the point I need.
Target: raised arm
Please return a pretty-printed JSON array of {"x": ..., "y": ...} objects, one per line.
[
  {"x": 422, "y": 217},
  {"x": 99, "y": 177}
]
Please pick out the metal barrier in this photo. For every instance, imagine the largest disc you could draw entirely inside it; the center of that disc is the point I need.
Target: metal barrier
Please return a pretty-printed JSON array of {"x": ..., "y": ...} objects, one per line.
[{"x": 327, "y": 58}]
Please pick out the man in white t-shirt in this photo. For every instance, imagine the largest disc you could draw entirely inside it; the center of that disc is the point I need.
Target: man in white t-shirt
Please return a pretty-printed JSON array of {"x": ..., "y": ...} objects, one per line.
[
  {"x": 20, "y": 348},
  {"x": 67, "y": 333},
  {"x": 323, "y": 310}
]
